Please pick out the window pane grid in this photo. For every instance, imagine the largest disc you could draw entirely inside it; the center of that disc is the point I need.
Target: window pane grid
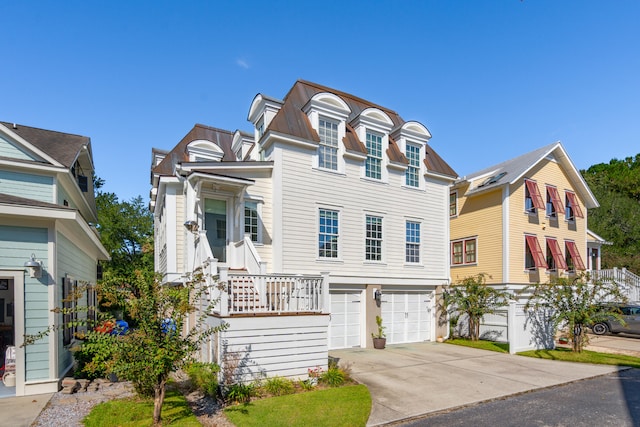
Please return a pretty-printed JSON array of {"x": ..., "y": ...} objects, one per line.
[
  {"x": 412, "y": 251},
  {"x": 413, "y": 155},
  {"x": 251, "y": 221},
  {"x": 328, "y": 149},
  {"x": 373, "y": 241},
  {"x": 328, "y": 234},
  {"x": 373, "y": 165}
]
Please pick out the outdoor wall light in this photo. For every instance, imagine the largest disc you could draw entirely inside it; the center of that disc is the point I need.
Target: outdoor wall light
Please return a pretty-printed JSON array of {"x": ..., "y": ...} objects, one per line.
[
  {"x": 191, "y": 225},
  {"x": 34, "y": 266},
  {"x": 377, "y": 295}
]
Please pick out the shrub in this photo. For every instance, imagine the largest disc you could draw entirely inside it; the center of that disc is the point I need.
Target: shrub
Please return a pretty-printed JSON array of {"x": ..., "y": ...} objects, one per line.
[
  {"x": 278, "y": 386},
  {"x": 204, "y": 377},
  {"x": 94, "y": 356},
  {"x": 333, "y": 377},
  {"x": 307, "y": 384},
  {"x": 240, "y": 393}
]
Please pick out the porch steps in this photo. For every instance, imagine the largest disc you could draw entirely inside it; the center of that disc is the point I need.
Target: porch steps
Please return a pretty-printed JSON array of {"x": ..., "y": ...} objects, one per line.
[{"x": 244, "y": 296}]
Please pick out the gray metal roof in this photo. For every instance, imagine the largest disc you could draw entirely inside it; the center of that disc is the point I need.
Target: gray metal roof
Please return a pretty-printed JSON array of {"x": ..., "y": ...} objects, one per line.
[{"x": 510, "y": 171}]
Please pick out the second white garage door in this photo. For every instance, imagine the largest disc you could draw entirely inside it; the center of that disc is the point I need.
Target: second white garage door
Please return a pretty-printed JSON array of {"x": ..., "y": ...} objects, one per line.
[
  {"x": 344, "y": 328},
  {"x": 407, "y": 316}
]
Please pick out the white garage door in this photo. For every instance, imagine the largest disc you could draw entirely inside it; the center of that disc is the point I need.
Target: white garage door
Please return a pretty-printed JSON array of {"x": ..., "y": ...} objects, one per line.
[
  {"x": 344, "y": 328},
  {"x": 406, "y": 316}
]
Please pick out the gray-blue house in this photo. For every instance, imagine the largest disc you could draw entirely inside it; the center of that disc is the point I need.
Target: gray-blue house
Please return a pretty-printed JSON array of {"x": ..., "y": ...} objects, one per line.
[{"x": 47, "y": 246}]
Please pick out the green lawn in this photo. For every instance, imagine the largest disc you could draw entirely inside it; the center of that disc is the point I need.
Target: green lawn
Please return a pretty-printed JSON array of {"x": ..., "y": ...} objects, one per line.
[
  {"x": 585, "y": 356},
  {"x": 500, "y": 347},
  {"x": 136, "y": 412},
  {"x": 340, "y": 406}
]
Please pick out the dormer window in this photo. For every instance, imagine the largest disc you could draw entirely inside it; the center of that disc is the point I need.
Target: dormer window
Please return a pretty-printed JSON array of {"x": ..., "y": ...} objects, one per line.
[
  {"x": 412, "y": 174},
  {"x": 260, "y": 129},
  {"x": 327, "y": 114},
  {"x": 373, "y": 166},
  {"x": 204, "y": 151},
  {"x": 328, "y": 149}
]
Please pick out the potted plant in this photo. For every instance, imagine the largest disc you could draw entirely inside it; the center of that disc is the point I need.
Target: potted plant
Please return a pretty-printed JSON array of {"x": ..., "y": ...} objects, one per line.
[{"x": 379, "y": 340}]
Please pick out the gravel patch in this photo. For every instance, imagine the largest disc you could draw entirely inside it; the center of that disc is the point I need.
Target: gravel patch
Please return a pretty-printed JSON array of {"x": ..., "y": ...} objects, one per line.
[{"x": 70, "y": 409}]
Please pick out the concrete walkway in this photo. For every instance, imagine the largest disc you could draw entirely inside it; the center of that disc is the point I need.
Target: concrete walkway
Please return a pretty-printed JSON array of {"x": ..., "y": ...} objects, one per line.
[
  {"x": 22, "y": 411},
  {"x": 410, "y": 380}
]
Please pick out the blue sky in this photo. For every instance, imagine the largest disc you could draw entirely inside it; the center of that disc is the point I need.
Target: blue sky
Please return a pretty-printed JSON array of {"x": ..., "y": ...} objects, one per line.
[{"x": 489, "y": 79}]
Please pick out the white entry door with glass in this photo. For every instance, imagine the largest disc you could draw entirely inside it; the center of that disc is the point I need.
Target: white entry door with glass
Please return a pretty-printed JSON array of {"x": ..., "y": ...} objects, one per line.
[{"x": 215, "y": 222}]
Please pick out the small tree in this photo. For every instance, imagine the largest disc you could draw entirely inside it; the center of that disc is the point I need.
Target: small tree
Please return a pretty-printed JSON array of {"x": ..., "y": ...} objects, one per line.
[
  {"x": 475, "y": 299},
  {"x": 577, "y": 303},
  {"x": 158, "y": 341}
]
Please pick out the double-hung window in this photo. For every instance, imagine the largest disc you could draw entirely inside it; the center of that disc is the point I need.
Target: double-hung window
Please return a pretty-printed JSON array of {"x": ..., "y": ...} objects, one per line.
[
  {"x": 412, "y": 174},
  {"x": 574, "y": 261},
  {"x": 328, "y": 233},
  {"x": 573, "y": 210},
  {"x": 453, "y": 203},
  {"x": 328, "y": 148},
  {"x": 373, "y": 165},
  {"x": 554, "y": 204},
  {"x": 464, "y": 251},
  {"x": 251, "y": 220},
  {"x": 532, "y": 198},
  {"x": 412, "y": 242},
  {"x": 555, "y": 260},
  {"x": 373, "y": 239},
  {"x": 534, "y": 258}
]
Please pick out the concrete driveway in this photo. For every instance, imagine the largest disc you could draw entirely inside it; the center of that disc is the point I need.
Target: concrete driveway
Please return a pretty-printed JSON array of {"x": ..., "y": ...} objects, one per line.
[{"x": 410, "y": 380}]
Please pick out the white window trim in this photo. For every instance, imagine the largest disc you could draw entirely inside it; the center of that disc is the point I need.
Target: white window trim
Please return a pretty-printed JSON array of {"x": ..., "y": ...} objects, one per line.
[
  {"x": 314, "y": 115},
  {"x": 384, "y": 136},
  {"x": 259, "y": 203},
  {"x": 421, "y": 170},
  {"x": 420, "y": 249},
  {"x": 383, "y": 243},
  {"x": 338, "y": 259}
]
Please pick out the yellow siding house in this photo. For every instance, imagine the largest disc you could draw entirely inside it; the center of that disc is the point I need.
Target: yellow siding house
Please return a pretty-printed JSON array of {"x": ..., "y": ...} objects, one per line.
[{"x": 522, "y": 221}]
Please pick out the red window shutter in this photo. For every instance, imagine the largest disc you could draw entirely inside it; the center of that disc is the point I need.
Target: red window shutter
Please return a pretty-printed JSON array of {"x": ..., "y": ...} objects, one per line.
[
  {"x": 575, "y": 205},
  {"x": 575, "y": 254},
  {"x": 555, "y": 199},
  {"x": 557, "y": 253},
  {"x": 535, "y": 194},
  {"x": 534, "y": 247}
]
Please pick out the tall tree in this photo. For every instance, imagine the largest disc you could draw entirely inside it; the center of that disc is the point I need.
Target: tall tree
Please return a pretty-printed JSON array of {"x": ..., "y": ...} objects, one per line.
[
  {"x": 616, "y": 186},
  {"x": 126, "y": 231}
]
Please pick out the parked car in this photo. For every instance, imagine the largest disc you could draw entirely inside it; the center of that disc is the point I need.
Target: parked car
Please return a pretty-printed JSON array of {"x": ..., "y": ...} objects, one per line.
[{"x": 631, "y": 315}]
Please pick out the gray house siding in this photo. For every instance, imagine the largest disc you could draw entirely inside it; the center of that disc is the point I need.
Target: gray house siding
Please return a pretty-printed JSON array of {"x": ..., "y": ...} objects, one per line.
[
  {"x": 30, "y": 186},
  {"x": 73, "y": 263},
  {"x": 16, "y": 246},
  {"x": 7, "y": 149}
]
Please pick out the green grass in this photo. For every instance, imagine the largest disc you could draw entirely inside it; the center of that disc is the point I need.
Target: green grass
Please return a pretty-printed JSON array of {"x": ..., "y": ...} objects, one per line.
[
  {"x": 585, "y": 356},
  {"x": 136, "y": 412},
  {"x": 500, "y": 347},
  {"x": 342, "y": 406}
]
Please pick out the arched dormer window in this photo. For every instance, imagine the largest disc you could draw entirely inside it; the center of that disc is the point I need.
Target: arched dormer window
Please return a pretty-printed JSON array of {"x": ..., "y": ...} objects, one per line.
[
  {"x": 204, "y": 151},
  {"x": 328, "y": 113},
  {"x": 373, "y": 126},
  {"x": 412, "y": 138}
]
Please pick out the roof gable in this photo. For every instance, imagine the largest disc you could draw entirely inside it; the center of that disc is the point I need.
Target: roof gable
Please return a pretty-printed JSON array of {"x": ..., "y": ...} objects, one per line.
[
  {"x": 510, "y": 171},
  {"x": 57, "y": 148}
]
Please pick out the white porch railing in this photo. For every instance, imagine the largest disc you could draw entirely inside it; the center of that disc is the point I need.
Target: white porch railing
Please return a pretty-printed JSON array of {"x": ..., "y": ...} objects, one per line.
[
  {"x": 243, "y": 255},
  {"x": 272, "y": 293},
  {"x": 629, "y": 282}
]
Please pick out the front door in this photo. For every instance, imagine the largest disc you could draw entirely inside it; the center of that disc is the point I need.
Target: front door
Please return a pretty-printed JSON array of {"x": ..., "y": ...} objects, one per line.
[{"x": 215, "y": 222}]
